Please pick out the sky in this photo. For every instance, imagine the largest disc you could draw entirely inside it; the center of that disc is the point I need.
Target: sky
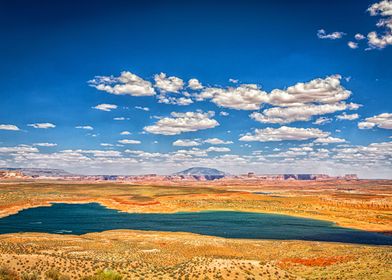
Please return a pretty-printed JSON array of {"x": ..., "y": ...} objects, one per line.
[{"x": 135, "y": 87}]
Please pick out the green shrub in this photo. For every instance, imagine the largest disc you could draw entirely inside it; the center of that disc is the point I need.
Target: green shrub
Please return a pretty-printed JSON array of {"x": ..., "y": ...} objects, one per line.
[
  {"x": 30, "y": 276},
  {"x": 106, "y": 274},
  {"x": 54, "y": 274},
  {"x": 8, "y": 274}
]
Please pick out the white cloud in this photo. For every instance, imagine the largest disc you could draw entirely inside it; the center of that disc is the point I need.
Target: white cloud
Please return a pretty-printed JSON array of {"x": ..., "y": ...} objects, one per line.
[
  {"x": 234, "y": 81},
  {"x": 128, "y": 141},
  {"x": 95, "y": 153},
  {"x": 326, "y": 91},
  {"x": 120, "y": 118},
  {"x": 250, "y": 97},
  {"x": 87, "y": 127},
  {"x": 383, "y": 120},
  {"x": 383, "y": 9},
  {"x": 186, "y": 143},
  {"x": 217, "y": 141},
  {"x": 304, "y": 112},
  {"x": 218, "y": 149},
  {"x": 125, "y": 132},
  {"x": 329, "y": 140},
  {"x": 106, "y": 145},
  {"x": 380, "y": 42},
  {"x": 126, "y": 84},
  {"x": 105, "y": 107},
  {"x": 181, "y": 101},
  {"x": 345, "y": 116},
  {"x": 21, "y": 149},
  {"x": 194, "y": 84},
  {"x": 42, "y": 125},
  {"x": 333, "y": 36},
  {"x": 45, "y": 144},
  {"x": 142, "y": 108},
  {"x": 284, "y": 133},
  {"x": 243, "y": 97},
  {"x": 223, "y": 113},
  {"x": 9, "y": 127},
  {"x": 352, "y": 45},
  {"x": 183, "y": 122},
  {"x": 322, "y": 120},
  {"x": 168, "y": 84},
  {"x": 359, "y": 36}
]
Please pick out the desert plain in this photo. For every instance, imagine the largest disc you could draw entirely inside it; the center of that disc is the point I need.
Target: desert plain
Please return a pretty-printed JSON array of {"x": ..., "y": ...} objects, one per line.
[{"x": 132, "y": 254}]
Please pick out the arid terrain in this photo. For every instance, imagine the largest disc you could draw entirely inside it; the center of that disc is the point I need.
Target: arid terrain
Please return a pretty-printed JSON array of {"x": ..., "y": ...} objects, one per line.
[{"x": 360, "y": 204}]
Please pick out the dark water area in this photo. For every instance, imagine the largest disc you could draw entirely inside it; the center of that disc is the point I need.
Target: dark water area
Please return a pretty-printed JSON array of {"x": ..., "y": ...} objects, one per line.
[{"x": 92, "y": 217}]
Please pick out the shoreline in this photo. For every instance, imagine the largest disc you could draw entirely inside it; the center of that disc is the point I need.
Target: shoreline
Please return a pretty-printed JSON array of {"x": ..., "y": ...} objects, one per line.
[{"x": 115, "y": 205}]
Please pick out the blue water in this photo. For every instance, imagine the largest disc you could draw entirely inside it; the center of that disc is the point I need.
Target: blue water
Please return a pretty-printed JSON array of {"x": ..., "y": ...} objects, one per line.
[{"x": 92, "y": 217}]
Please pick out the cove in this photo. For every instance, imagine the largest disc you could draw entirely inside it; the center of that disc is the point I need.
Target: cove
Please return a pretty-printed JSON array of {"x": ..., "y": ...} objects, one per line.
[{"x": 92, "y": 217}]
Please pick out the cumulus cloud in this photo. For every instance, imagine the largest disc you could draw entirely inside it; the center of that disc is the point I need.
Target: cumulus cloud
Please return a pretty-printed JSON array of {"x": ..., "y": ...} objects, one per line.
[
  {"x": 383, "y": 120},
  {"x": 326, "y": 91},
  {"x": 217, "y": 141},
  {"x": 243, "y": 97},
  {"x": 322, "y": 34},
  {"x": 45, "y": 144},
  {"x": 181, "y": 101},
  {"x": 186, "y": 143},
  {"x": 87, "y": 127},
  {"x": 128, "y": 141},
  {"x": 218, "y": 149},
  {"x": 194, "y": 84},
  {"x": 284, "y": 133},
  {"x": 95, "y": 153},
  {"x": 223, "y": 113},
  {"x": 168, "y": 84},
  {"x": 329, "y": 140},
  {"x": 383, "y": 9},
  {"x": 126, "y": 84},
  {"x": 352, "y": 45},
  {"x": 283, "y": 115},
  {"x": 120, "y": 118},
  {"x": 322, "y": 120},
  {"x": 345, "y": 116},
  {"x": 318, "y": 91},
  {"x": 9, "y": 127},
  {"x": 106, "y": 145},
  {"x": 183, "y": 122},
  {"x": 125, "y": 132},
  {"x": 21, "y": 149},
  {"x": 105, "y": 107},
  {"x": 359, "y": 36},
  {"x": 142, "y": 108},
  {"x": 42, "y": 125}
]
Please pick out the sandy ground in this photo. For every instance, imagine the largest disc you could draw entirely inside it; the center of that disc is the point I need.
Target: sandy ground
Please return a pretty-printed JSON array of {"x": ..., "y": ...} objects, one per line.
[
  {"x": 158, "y": 255},
  {"x": 360, "y": 204}
]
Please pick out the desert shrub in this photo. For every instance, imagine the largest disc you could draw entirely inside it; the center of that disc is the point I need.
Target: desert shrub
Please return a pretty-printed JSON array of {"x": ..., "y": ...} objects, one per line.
[
  {"x": 54, "y": 274},
  {"x": 8, "y": 274},
  {"x": 106, "y": 274},
  {"x": 30, "y": 276}
]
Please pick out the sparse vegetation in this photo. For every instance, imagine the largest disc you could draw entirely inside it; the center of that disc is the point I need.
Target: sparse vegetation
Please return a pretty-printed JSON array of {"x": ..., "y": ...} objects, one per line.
[
  {"x": 8, "y": 274},
  {"x": 159, "y": 255},
  {"x": 106, "y": 274}
]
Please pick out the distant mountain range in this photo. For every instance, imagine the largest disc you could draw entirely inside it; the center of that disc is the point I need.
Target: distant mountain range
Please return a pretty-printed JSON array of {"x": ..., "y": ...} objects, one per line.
[
  {"x": 35, "y": 172},
  {"x": 207, "y": 173}
]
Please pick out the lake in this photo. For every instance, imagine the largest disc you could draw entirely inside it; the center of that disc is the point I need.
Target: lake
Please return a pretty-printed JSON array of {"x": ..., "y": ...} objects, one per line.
[{"x": 92, "y": 217}]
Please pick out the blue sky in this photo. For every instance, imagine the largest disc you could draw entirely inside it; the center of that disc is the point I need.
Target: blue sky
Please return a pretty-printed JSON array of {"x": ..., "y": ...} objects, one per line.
[{"x": 285, "y": 86}]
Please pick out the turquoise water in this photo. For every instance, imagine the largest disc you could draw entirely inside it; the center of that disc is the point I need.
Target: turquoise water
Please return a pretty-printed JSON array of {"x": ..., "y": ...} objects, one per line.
[{"x": 92, "y": 217}]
